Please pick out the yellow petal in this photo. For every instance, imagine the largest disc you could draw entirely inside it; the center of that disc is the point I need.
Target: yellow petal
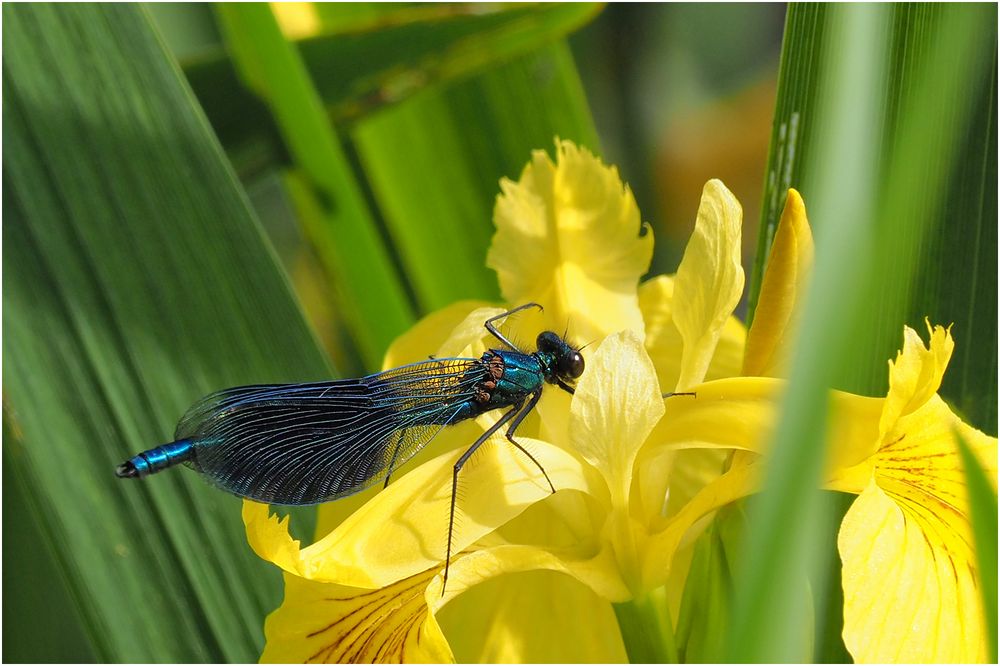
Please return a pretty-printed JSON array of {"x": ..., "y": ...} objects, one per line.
[
  {"x": 913, "y": 380},
  {"x": 663, "y": 340},
  {"x": 327, "y": 622},
  {"x": 668, "y": 482},
  {"x": 920, "y": 468},
  {"x": 906, "y": 599},
  {"x": 476, "y": 566},
  {"x": 917, "y": 372},
  {"x": 739, "y": 413},
  {"x": 268, "y": 536},
  {"x": 854, "y": 439},
  {"x": 403, "y": 530},
  {"x": 553, "y": 412},
  {"x": 532, "y": 617},
  {"x": 781, "y": 293},
  {"x": 469, "y": 338},
  {"x": 563, "y": 522},
  {"x": 709, "y": 280},
  {"x": 909, "y": 565},
  {"x": 616, "y": 405},
  {"x": 569, "y": 529},
  {"x": 427, "y": 335},
  {"x": 472, "y": 569},
  {"x": 734, "y": 413},
  {"x": 662, "y": 546},
  {"x": 334, "y": 624},
  {"x": 569, "y": 237}
]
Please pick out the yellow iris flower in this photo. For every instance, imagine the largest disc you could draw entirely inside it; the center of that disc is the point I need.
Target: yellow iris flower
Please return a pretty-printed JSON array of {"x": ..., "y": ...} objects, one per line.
[{"x": 534, "y": 574}]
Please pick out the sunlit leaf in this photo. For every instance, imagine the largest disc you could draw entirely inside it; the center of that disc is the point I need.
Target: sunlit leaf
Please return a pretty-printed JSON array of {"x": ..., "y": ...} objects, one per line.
[
  {"x": 983, "y": 508},
  {"x": 874, "y": 110},
  {"x": 136, "y": 279}
]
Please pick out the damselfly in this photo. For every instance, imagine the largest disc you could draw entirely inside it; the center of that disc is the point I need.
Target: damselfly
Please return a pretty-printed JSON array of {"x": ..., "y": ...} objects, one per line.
[{"x": 311, "y": 443}]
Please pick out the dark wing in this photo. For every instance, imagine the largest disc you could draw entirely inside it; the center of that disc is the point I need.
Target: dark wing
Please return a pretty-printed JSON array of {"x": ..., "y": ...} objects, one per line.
[{"x": 311, "y": 443}]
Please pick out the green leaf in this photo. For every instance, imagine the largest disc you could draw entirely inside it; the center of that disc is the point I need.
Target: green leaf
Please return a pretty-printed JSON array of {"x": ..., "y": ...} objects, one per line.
[
  {"x": 34, "y": 585},
  {"x": 873, "y": 110},
  {"x": 361, "y": 72},
  {"x": 376, "y": 305},
  {"x": 136, "y": 280},
  {"x": 434, "y": 163},
  {"x": 644, "y": 623},
  {"x": 705, "y": 605},
  {"x": 431, "y": 165},
  {"x": 364, "y": 64},
  {"x": 934, "y": 158},
  {"x": 983, "y": 510},
  {"x": 827, "y": 587},
  {"x": 188, "y": 29}
]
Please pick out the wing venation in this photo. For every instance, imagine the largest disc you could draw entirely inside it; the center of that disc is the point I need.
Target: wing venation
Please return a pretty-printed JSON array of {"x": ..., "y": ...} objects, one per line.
[{"x": 310, "y": 443}]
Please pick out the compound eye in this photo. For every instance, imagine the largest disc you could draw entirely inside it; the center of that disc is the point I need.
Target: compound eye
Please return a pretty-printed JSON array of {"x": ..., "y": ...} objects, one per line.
[{"x": 572, "y": 365}]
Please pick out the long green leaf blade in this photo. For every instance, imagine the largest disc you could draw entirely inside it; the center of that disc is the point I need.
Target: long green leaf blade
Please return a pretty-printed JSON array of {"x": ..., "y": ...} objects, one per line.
[
  {"x": 983, "y": 510},
  {"x": 377, "y": 305},
  {"x": 431, "y": 164},
  {"x": 136, "y": 280},
  {"x": 769, "y": 616},
  {"x": 944, "y": 171},
  {"x": 363, "y": 64},
  {"x": 864, "y": 149}
]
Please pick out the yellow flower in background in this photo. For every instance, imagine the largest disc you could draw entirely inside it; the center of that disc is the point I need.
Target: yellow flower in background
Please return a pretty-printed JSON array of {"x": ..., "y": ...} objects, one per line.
[{"x": 533, "y": 574}]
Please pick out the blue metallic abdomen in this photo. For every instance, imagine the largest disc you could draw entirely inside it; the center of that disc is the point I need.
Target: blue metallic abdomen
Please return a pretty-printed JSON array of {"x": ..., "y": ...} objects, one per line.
[{"x": 159, "y": 458}]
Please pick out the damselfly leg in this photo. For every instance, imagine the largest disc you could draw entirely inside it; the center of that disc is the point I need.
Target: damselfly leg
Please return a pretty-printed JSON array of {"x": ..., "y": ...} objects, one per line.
[
  {"x": 510, "y": 437},
  {"x": 392, "y": 466},
  {"x": 454, "y": 483},
  {"x": 515, "y": 416},
  {"x": 518, "y": 414},
  {"x": 500, "y": 336}
]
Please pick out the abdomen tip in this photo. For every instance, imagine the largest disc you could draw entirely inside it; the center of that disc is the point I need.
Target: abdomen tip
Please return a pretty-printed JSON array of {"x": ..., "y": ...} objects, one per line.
[{"x": 126, "y": 470}]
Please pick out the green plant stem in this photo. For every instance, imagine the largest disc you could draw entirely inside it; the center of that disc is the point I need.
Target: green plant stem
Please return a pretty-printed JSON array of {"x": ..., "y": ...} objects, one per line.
[
  {"x": 646, "y": 630},
  {"x": 983, "y": 509}
]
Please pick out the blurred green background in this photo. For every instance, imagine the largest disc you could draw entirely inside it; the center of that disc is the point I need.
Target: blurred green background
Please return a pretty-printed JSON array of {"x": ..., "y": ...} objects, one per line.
[
  {"x": 195, "y": 198},
  {"x": 672, "y": 95}
]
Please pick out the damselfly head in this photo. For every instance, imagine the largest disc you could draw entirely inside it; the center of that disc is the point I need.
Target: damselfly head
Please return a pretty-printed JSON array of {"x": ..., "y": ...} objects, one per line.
[{"x": 568, "y": 359}]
